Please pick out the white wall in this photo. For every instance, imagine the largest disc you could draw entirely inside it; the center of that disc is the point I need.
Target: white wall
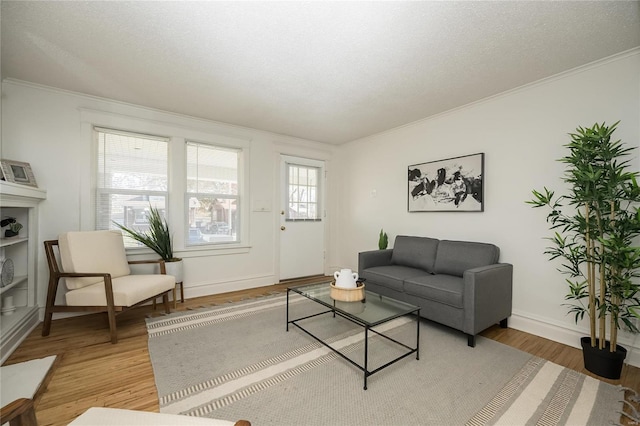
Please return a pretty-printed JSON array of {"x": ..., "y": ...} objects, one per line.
[
  {"x": 50, "y": 129},
  {"x": 522, "y": 134}
]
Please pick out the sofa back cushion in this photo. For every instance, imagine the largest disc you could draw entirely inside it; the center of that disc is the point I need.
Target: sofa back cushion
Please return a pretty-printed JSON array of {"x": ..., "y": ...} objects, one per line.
[
  {"x": 92, "y": 251},
  {"x": 455, "y": 257},
  {"x": 415, "y": 252}
]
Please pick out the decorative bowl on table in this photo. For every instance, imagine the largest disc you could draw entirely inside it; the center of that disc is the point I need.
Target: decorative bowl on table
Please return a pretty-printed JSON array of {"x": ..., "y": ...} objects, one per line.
[{"x": 345, "y": 294}]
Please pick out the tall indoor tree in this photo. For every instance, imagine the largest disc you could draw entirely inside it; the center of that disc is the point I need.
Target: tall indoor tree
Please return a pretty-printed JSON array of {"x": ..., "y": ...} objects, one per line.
[{"x": 596, "y": 226}]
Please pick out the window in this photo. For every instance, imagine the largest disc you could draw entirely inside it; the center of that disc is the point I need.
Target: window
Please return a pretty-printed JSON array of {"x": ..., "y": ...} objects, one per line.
[
  {"x": 303, "y": 192},
  {"x": 213, "y": 198},
  {"x": 131, "y": 174}
]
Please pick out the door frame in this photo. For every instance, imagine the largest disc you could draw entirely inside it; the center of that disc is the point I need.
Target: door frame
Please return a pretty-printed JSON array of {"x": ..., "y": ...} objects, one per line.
[{"x": 279, "y": 197}]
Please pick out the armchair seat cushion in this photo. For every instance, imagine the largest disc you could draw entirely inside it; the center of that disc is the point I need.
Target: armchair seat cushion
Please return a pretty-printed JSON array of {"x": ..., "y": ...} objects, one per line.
[
  {"x": 445, "y": 289},
  {"x": 127, "y": 290}
]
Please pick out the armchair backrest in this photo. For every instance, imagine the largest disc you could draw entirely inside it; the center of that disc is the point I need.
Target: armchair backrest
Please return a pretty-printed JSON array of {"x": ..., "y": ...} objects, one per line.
[{"x": 92, "y": 251}]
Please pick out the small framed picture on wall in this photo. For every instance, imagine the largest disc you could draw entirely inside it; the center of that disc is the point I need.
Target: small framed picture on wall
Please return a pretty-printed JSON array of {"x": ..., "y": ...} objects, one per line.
[
  {"x": 17, "y": 172},
  {"x": 450, "y": 185}
]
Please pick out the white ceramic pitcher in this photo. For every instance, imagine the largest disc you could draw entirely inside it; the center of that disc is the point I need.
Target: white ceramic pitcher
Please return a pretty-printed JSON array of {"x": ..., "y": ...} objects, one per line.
[{"x": 345, "y": 278}]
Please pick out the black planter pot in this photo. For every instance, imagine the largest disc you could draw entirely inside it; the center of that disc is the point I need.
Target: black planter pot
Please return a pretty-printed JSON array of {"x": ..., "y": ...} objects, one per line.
[
  {"x": 8, "y": 233},
  {"x": 601, "y": 361}
]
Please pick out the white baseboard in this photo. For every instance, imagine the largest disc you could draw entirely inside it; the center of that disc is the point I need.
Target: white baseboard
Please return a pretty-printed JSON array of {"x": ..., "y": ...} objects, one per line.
[
  {"x": 13, "y": 337},
  {"x": 210, "y": 288},
  {"x": 568, "y": 336}
]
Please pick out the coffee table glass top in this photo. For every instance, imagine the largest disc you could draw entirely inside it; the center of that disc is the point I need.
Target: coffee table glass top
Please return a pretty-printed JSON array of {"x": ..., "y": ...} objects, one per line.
[{"x": 374, "y": 309}]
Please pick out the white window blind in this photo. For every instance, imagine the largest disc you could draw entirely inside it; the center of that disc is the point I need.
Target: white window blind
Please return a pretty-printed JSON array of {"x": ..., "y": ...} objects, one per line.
[
  {"x": 213, "y": 197},
  {"x": 131, "y": 174}
]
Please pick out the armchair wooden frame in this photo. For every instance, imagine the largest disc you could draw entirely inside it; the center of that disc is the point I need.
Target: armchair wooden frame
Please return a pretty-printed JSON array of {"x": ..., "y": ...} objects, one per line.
[
  {"x": 19, "y": 413},
  {"x": 54, "y": 279}
]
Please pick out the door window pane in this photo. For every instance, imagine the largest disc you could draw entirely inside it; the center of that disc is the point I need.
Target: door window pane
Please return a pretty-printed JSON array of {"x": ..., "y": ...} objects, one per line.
[{"x": 302, "y": 184}]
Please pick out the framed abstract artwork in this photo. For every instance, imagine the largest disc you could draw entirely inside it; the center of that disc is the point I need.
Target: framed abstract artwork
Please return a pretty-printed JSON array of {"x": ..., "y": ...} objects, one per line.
[{"x": 450, "y": 185}]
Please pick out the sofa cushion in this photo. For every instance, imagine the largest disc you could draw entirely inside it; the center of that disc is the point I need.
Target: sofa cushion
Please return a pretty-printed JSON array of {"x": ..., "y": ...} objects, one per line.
[
  {"x": 390, "y": 276},
  {"x": 445, "y": 289},
  {"x": 415, "y": 252},
  {"x": 77, "y": 254},
  {"x": 455, "y": 257}
]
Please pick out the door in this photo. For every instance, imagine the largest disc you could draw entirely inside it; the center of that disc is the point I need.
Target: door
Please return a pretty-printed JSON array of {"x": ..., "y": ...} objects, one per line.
[{"x": 301, "y": 217}]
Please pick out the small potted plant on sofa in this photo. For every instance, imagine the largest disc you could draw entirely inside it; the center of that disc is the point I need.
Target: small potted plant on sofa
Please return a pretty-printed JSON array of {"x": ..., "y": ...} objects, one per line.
[
  {"x": 158, "y": 238},
  {"x": 595, "y": 227},
  {"x": 383, "y": 240}
]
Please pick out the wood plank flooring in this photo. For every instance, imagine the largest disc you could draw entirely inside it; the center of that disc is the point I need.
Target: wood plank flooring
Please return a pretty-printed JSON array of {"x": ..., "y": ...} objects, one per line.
[{"x": 93, "y": 372}]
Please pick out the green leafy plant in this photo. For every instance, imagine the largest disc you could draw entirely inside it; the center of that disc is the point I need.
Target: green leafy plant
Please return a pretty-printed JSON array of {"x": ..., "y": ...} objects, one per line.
[
  {"x": 383, "y": 240},
  {"x": 595, "y": 227},
  {"x": 157, "y": 238},
  {"x": 15, "y": 227}
]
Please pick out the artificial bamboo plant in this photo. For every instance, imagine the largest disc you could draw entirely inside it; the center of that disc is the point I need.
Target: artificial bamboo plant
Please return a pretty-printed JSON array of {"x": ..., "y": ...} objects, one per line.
[
  {"x": 157, "y": 238},
  {"x": 595, "y": 228}
]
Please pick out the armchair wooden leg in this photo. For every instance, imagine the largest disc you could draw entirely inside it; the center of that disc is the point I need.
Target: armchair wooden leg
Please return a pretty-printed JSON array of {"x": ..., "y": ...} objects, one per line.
[
  {"x": 46, "y": 326},
  {"x": 19, "y": 413},
  {"x": 48, "y": 312},
  {"x": 165, "y": 300},
  {"x": 175, "y": 301},
  {"x": 112, "y": 325}
]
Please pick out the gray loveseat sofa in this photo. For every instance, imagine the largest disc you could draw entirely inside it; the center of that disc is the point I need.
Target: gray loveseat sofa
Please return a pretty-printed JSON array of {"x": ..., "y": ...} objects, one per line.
[{"x": 457, "y": 283}]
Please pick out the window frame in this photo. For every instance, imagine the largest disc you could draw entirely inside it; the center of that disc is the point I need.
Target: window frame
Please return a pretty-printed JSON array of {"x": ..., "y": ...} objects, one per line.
[
  {"x": 241, "y": 212},
  {"x": 178, "y": 129},
  {"x": 99, "y": 191}
]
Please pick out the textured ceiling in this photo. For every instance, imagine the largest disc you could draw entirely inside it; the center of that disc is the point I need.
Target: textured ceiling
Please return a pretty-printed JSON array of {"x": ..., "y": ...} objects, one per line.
[{"x": 325, "y": 71}]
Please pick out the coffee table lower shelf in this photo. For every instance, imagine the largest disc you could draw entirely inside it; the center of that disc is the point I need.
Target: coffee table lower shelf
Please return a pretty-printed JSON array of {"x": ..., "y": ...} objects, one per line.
[{"x": 367, "y": 329}]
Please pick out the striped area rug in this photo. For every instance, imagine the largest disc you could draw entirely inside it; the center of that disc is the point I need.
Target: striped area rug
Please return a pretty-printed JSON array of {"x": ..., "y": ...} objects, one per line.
[{"x": 237, "y": 361}]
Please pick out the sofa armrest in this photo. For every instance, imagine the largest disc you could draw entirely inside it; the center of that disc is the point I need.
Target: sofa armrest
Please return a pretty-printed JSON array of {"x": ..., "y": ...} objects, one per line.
[
  {"x": 487, "y": 296},
  {"x": 368, "y": 259}
]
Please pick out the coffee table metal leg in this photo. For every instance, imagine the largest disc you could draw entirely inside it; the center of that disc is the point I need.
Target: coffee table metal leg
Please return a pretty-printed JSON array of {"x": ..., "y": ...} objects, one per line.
[
  {"x": 366, "y": 355},
  {"x": 287, "y": 309},
  {"x": 418, "y": 334}
]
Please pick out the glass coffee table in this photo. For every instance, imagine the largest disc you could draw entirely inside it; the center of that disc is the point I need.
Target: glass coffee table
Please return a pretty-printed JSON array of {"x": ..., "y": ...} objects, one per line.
[{"x": 374, "y": 310}]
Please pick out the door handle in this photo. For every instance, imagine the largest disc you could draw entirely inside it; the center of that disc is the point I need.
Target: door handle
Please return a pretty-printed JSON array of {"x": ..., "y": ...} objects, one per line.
[{"x": 282, "y": 228}]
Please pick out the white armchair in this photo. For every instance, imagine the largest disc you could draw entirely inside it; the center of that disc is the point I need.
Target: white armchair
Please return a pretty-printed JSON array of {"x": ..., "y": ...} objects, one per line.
[
  {"x": 98, "y": 278},
  {"x": 22, "y": 413}
]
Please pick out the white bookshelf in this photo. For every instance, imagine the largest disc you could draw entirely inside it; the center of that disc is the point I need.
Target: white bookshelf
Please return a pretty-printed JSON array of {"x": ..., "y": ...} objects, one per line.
[{"x": 21, "y": 202}]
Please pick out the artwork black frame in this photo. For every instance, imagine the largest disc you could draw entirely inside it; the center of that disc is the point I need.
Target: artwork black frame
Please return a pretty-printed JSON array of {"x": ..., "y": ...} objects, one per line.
[{"x": 450, "y": 185}]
